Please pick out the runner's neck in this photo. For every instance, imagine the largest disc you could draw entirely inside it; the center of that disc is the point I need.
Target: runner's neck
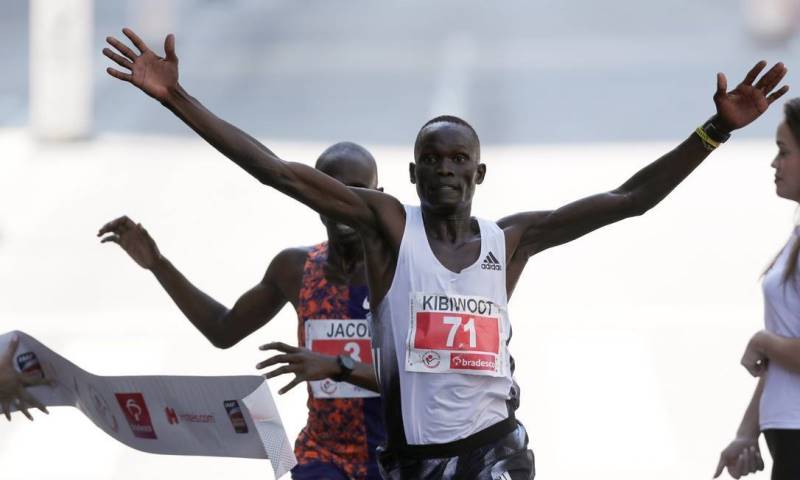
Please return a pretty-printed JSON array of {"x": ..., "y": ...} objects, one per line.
[
  {"x": 455, "y": 228},
  {"x": 345, "y": 258}
]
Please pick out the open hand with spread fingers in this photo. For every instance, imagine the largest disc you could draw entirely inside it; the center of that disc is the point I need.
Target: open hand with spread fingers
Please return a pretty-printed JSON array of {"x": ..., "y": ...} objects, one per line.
[
  {"x": 750, "y": 98},
  {"x": 154, "y": 75},
  {"x": 305, "y": 364},
  {"x": 133, "y": 238},
  {"x": 13, "y": 385}
]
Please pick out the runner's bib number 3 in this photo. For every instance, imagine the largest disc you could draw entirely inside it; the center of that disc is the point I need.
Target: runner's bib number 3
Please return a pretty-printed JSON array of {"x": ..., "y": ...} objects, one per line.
[
  {"x": 455, "y": 334},
  {"x": 340, "y": 337}
]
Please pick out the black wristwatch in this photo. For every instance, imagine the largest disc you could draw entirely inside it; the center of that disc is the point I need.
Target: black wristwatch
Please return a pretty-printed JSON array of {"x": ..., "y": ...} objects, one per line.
[
  {"x": 346, "y": 367},
  {"x": 713, "y": 130}
]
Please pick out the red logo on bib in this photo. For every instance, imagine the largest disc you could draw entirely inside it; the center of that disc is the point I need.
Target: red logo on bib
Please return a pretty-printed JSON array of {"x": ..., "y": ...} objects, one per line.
[
  {"x": 472, "y": 361},
  {"x": 431, "y": 359}
]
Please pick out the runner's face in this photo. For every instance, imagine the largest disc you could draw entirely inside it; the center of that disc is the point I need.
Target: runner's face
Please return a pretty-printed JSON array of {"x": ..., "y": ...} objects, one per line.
[
  {"x": 447, "y": 167},
  {"x": 352, "y": 174},
  {"x": 787, "y": 164}
]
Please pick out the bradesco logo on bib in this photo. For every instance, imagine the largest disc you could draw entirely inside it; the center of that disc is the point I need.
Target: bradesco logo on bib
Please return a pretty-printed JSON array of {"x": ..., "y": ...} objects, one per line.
[
  {"x": 340, "y": 337},
  {"x": 455, "y": 334}
]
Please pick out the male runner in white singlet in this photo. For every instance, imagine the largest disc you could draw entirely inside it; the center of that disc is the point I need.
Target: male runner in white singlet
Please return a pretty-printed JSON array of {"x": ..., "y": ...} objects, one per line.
[{"x": 439, "y": 279}]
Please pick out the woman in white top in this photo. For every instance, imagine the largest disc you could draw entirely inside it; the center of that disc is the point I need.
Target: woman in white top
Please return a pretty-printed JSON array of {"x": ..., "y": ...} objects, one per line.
[
  {"x": 13, "y": 384},
  {"x": 773, "y": 354}
]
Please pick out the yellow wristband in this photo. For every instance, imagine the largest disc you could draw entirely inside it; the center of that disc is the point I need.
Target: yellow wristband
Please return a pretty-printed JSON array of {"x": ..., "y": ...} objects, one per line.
[{"x": 708, "y": 142}]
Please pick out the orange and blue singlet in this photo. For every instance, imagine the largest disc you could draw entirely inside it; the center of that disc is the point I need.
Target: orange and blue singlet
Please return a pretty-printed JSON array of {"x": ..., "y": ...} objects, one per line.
[{"x": 341, "y": 434}]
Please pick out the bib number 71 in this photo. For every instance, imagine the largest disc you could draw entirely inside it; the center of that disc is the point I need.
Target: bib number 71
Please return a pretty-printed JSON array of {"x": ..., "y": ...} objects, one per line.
[{"x": 454, "y": 323}]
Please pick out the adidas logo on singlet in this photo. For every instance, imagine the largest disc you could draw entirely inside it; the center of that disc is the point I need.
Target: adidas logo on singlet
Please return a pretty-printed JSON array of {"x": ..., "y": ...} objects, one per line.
[{"x": 491, "y": 262}]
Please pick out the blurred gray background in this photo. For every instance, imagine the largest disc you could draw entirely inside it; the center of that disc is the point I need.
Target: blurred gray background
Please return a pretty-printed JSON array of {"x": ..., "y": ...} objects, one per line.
[{"x": 521, "y": 71}]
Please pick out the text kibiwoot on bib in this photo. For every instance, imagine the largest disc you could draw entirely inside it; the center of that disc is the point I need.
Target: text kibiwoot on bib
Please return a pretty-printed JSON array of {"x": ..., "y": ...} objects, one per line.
[
  {"x": 340, "y": 337},
  {"x": 455, "y": 334}
]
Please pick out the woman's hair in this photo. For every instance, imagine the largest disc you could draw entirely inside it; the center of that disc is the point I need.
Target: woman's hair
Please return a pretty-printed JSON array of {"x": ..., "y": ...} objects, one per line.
[
  {"x": 791, "y": 111},
  {"x": 791, "y": 263}
]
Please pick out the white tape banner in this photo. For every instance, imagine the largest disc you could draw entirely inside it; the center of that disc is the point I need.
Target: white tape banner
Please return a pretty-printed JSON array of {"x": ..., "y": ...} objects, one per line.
[{"x": 173, "y": 415}]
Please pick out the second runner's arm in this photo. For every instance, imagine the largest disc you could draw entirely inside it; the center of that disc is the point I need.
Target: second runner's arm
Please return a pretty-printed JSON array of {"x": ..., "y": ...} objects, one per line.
[
  {"x": 222, "y": 326},
  {"x": 533, "y": 232},
  {"x": 308, "y": 366}
]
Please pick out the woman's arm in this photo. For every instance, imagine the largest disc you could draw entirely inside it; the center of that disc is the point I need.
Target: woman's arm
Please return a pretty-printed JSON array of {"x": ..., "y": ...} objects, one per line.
[
  {"x": 742, "y": 455},
  {"x": 784, "y": 351}
]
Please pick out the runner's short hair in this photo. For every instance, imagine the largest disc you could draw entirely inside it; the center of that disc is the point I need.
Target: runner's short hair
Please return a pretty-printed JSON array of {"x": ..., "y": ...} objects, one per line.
[{"x": 446, "y": 119}]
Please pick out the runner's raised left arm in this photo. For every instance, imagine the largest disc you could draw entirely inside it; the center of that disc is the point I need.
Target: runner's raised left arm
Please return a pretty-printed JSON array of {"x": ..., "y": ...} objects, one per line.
[
  {"x": 369, "y": 211},
  {"x": 532, "y": 232}
]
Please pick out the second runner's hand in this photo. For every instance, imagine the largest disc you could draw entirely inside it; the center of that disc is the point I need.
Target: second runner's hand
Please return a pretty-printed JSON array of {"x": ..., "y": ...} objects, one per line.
[{"x": 305, "y": 364}]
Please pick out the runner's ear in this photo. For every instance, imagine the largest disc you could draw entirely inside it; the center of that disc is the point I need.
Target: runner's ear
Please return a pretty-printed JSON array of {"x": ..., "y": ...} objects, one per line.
[{"x": 480, "y": 174}]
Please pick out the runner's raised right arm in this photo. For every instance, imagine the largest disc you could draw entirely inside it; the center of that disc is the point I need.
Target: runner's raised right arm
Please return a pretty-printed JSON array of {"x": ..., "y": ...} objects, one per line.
[{"x": 158, "y": 77}]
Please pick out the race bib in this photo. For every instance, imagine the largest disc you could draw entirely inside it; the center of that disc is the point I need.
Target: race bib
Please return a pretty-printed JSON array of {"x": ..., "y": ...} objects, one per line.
[
  {"x": 340, "y": 337},
  {"x": 455, "y": 334}
]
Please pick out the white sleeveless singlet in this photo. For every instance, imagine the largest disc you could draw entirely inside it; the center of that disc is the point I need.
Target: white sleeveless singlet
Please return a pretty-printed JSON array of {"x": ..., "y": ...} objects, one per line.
[{"x": 442, "y": 338}]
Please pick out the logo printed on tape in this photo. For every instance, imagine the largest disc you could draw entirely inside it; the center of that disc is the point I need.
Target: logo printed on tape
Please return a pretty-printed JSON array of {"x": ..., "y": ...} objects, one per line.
[
  {"x": 175, "y": 418},
  {"x": 236, "y": 416},
  {"x": 172, "y": 417},
  {"x": 137, "y": 415},
  {"x": 29, "y": 365}
]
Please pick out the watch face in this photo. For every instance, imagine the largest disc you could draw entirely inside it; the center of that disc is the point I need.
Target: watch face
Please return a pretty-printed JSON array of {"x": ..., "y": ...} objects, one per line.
[{"x": 347, "y": 362}]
